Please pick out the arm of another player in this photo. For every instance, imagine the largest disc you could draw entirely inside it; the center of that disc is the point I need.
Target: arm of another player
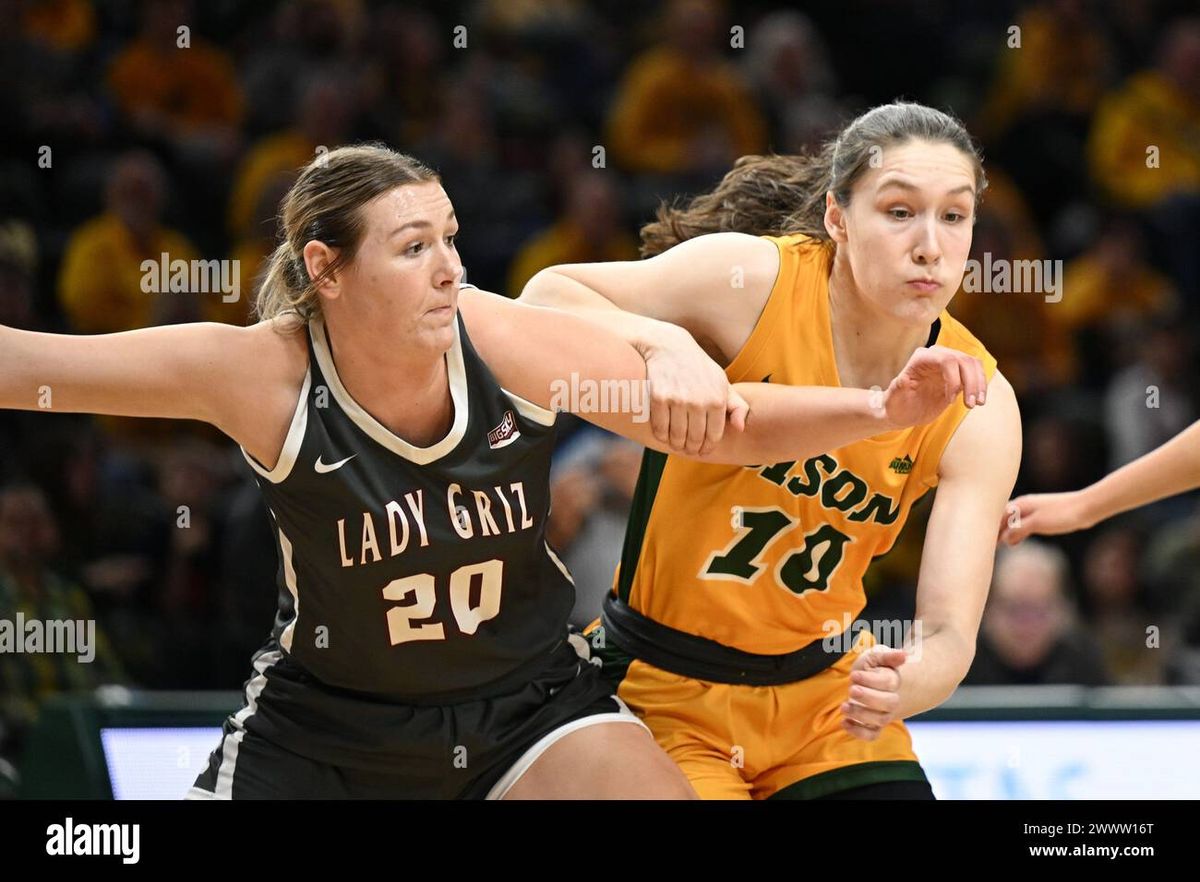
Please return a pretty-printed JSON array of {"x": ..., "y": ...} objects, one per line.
[
  {"x": 546, "y": 356},
  {"x": 976, "y": 475},
  {"x": 1165, "y": 471},
  {"x": 714, "y": 286},
  {"x": 687, "y": 311}
]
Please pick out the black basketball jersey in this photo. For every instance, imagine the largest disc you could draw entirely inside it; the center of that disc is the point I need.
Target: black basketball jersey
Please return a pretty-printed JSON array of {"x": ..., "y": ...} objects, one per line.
[{"x": 420, "y": 574}]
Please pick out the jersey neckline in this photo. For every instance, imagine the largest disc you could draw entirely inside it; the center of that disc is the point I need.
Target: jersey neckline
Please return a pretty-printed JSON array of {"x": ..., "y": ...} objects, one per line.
[
  {"x": 829, "y": 363},
  {"x": 456, "y": 370}
]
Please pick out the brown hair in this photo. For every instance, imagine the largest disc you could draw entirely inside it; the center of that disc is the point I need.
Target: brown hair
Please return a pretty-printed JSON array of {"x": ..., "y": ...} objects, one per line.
[
  {"x": 326, "y": 204},
  {"x": 775, "y": 195}
]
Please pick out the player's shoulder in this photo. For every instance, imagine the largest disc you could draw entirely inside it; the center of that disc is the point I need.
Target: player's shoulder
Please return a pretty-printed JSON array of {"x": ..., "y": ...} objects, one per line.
[
  {"x": 253, "y": 375},
  {"x": 271, "y": 349},
  {"x": 716, "y": 246},
  {"x": 486, "y": 314},
  {"x": 989, "y": 437},
  {"x": 957, "y": 335},
  {"x": 283, "y": 332},
  {"x": 704, "y": 270},
  {"x": 502, "y": 332},
  {"x": 800, "y": 261}
]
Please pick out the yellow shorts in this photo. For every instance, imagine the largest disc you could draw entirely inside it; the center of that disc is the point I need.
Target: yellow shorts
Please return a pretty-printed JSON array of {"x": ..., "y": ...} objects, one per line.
[{"x": 757, "y": 742}]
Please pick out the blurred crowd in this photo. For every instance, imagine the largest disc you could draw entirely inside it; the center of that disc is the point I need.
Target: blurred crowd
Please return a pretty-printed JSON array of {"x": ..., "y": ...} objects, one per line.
[{"x": 142, "y": 128}]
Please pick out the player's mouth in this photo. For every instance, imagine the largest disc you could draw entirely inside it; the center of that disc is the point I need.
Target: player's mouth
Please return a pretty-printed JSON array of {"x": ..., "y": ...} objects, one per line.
[{"x": 924, "y": 284}]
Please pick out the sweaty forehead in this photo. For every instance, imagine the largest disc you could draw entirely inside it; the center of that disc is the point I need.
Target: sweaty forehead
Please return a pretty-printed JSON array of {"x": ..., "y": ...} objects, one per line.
[
  {"x": 413, "y": 202},
  {"x": 921, "y": 164}
]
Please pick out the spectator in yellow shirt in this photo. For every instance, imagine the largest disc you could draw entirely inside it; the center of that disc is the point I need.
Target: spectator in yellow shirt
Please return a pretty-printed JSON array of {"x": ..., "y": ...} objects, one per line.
[
  {"x": 589, "y": 231},
  {"x": 64, "y": 25},
  {"x": 251, "y": 253},
  {"x": 100, "y": 285},
  {"x": 103, "y": 284},
  {"x": 186, "y": 93},
  {"x": 1111, "y": 285},
  {"x": 1061, "y": 66},
  {"x": 322, "y": 118},
  {"x": 681, "y": 107},
  {"x": 1145, "y": 139}
]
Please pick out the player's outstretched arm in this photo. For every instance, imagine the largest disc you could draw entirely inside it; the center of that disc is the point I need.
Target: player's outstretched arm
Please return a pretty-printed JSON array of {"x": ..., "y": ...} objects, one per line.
[
  {"x": 215, "y": 373},
  {"x": 562, "y": 361},
  {"x": 1165, "y": 471}
]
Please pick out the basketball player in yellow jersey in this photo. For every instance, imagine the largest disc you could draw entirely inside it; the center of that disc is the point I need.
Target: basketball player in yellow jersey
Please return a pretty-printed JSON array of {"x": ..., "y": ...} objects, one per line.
[{"x": 736, "y": 584}]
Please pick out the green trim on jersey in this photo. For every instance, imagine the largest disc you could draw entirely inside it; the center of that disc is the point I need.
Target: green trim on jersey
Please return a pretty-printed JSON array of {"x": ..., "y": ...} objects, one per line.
[
  {"x": 649, "y": 478},
  {"x": 847, "y": 777}
]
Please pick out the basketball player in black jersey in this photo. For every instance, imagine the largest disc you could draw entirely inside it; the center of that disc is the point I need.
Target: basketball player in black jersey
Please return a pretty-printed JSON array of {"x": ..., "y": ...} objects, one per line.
[{"x": 420, "y": 647}]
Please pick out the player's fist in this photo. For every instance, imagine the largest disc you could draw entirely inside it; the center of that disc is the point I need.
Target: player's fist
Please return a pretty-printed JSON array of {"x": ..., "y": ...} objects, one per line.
[
  {"x": 932, "y": 379},
  {"x": 690, "y": 396},
  {"x": 874, "y": 699}
]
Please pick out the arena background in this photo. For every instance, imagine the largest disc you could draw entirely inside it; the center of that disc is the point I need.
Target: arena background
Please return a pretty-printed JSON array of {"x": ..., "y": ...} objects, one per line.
[{"x": 140, "y": 129}]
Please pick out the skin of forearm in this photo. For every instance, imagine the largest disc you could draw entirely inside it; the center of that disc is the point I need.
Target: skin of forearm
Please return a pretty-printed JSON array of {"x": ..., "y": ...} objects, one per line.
[
  {"x": 18, "y": 389},
  {"x": 932, "y": 671},
  {"x": 794, "y": 423},
  {"x": 1172, "y": 468}
]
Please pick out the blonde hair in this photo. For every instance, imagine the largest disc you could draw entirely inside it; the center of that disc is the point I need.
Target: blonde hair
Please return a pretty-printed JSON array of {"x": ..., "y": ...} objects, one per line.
[{"x": 325, "y": 204}]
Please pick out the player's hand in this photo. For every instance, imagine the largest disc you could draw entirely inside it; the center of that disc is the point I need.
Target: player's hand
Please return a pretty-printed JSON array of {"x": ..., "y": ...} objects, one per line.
[
  {"x": 874, "y": 699},
  {"x": 690, "y": 396},
  {"x": 932, "y": 379},
  {"x": 1045, "y": 514}
]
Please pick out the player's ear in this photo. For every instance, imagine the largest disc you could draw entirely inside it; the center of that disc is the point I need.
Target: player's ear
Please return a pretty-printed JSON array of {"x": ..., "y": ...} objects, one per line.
[
  {"x": 318, "y": 257},
  {"x": 835, "y": 219}
]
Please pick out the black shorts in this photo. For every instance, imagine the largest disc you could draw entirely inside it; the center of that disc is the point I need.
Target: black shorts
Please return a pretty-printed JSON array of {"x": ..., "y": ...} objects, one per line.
[{"x": 297, "y": 739}]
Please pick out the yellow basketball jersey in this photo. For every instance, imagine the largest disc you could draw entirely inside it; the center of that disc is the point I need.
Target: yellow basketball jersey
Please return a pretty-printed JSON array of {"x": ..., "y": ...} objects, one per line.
[{"x": 761, "y": 558}]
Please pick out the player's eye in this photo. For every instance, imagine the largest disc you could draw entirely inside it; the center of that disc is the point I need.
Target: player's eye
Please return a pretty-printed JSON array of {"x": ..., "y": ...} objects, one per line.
[{"x": 900, "y": 213}]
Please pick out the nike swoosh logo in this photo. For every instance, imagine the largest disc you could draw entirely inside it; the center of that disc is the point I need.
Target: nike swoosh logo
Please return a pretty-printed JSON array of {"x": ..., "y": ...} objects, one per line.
[
  {"x": 321, "y": 468},
  {"x": 767, "y": 378}
]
